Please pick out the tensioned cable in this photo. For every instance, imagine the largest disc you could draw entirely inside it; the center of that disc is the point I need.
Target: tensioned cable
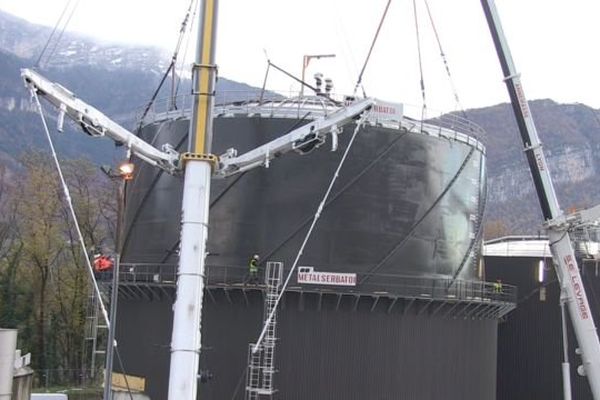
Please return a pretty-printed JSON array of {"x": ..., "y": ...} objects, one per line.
[
  {"x": 70, "y": 204},
  {"x": 424, "y": 106},
  {"x": 339, "y": 193},
  {"x": 359, "y": 124},
  {"x": 174, "y": 59},
  {"x": 444, "y": 58},
  {"x": 350, "y": 60},
  {"x": 362, "y": 71},
  {"x": 185, "y": 51},
  {"x": 472, "y": 250},
  {"x": 219, "y": 196},
  {"x": 62, "y": 31},
  {"x": 62, "y": 14},
  {"x": 69, "y": 200},
  {"x": 123, "y": 370},
  {"x": 415, "y": 225},
  {"x": 171, "y": 66}
]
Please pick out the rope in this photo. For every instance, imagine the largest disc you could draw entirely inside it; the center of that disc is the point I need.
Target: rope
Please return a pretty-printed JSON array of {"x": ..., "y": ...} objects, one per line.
[
  {"x": 62, "y": 31},
  {"x": 444, "y": 59},
  {"x": 70, "y": 204},
  {"x": 237, "y": 386},
  {"x": 123, "y": 369},
  {"x": 182, "y": 32},
  {"x": 171, "y": 66},
  {"x": 340, "y": 192},
  {"x": 78, "y": 229},
  {"x": 424, "y": 107},
  {"x": 62, "y": 14},
  {"x": 185, "y": 51},
  {"x": 473, "y": 247},
  {"x": 362, "y": 71},
  {"x": 416, "y": 224},
  {"x": 169, "y": 252},
  {"x": 310, "y": 230}
]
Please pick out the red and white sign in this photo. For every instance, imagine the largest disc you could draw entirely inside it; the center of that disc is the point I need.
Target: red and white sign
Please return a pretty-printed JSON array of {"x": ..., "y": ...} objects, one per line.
[
  {"x": 308, "y": 275},
  {"x": 386, "y": 111}
]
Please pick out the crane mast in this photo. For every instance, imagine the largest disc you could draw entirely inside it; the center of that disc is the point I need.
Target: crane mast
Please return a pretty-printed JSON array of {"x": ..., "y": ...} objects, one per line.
[{"x": 556, "y": 224}]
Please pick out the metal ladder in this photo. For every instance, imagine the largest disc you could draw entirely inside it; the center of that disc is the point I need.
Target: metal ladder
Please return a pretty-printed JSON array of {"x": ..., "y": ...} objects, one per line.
[
  {"x": 261, "y": 364},
  {"x": 93, "y": 327}
]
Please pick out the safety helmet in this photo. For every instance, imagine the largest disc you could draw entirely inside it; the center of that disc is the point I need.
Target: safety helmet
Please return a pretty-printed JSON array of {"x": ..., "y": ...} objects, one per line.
[{"x": 255, "y": 257}]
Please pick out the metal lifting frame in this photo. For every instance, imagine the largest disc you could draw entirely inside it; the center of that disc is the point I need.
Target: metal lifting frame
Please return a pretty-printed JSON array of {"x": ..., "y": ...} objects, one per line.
[
  {"x": 557, "y": 224},
  {"x": 96, "y": 123},
  {"x": 313, "y": 132}
]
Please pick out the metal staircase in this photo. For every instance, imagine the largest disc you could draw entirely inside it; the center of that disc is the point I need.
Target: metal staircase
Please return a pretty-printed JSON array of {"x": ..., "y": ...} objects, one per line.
[{"x": 261, "y": 362}]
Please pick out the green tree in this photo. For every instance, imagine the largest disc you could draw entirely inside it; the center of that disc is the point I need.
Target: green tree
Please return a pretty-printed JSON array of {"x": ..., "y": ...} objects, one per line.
[{"x": 44, "y": 278}]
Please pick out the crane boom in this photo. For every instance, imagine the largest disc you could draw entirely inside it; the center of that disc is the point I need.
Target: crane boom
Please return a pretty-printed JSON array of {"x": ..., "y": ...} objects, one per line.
[
  {"x": 557, "y": 225},
  {"x": 96, "y": 123}
]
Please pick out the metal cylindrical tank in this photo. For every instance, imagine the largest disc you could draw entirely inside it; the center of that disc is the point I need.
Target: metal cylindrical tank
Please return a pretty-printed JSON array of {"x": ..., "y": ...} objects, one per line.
[
  {"x": 404, "y": 216},
  {"x": 406, "y": 201}
]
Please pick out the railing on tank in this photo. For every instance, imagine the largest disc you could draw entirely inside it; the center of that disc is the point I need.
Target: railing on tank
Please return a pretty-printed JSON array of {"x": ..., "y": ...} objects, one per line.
[
  {"x": 393, "y": 285},
  {"x": 277, "y": 104}
]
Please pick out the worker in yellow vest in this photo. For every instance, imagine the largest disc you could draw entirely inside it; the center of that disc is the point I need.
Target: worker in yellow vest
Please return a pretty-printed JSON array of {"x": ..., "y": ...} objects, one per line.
[
  {"x": 498, "y": 286},
  {"x": 253, "y": 269}
]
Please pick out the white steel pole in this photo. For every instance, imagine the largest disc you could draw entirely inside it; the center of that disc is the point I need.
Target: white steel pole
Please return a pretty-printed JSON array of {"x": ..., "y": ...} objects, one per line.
[
  {"x": 187, "y": 312},
  {"x": 185, "y": 345},
  {"x": 110, "y": 346}
]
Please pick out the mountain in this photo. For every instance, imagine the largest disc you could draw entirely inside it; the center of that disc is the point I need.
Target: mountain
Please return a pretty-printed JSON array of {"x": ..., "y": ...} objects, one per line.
[
  {"x": 570, "y": 135},
  {"x": 119, "y": 80},
  {"x": 26, "y": 40}
]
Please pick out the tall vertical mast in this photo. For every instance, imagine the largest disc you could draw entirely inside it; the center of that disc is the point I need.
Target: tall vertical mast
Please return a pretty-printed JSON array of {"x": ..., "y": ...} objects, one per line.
[
  {"x": 556, "y": 226},
  {"x": 185, "y": 343}
]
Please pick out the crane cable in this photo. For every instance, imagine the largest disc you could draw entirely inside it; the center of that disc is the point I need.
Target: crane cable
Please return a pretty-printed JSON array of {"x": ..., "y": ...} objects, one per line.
[
  {"x": 362, "y": 71},
  {"x": 185, "y": 51},
  {"x": 69, "y": 201},
  {"x": 444, "y": 58},
  {"x": 58, "y": 22},
  {"x": 422, "y": 80},
  {"x": 171, "y": 67},
  {"x": 62, "y": 31},
  {"x": 316, "y": 217}
]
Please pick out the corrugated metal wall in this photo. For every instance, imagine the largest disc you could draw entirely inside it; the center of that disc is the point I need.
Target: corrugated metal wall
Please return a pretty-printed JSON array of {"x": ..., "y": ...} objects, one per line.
[
  {"x": 323, "y": 353},
  {"x": 530, "y": 339}
]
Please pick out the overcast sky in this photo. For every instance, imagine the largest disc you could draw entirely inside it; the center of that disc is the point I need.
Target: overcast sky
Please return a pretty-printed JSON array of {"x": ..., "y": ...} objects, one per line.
[{"x": 554, "y": 43}]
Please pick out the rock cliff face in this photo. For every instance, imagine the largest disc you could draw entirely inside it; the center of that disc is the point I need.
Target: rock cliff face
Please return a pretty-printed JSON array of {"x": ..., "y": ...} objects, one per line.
[
  {"x": 570, "y": 135},
  {"x": 125, "y": 78}
]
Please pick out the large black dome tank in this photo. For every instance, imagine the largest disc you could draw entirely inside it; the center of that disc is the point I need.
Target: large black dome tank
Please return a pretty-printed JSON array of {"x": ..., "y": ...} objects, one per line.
[
  {"x": 409, "y": 199},
  {"x": 404, "y": 215}
]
